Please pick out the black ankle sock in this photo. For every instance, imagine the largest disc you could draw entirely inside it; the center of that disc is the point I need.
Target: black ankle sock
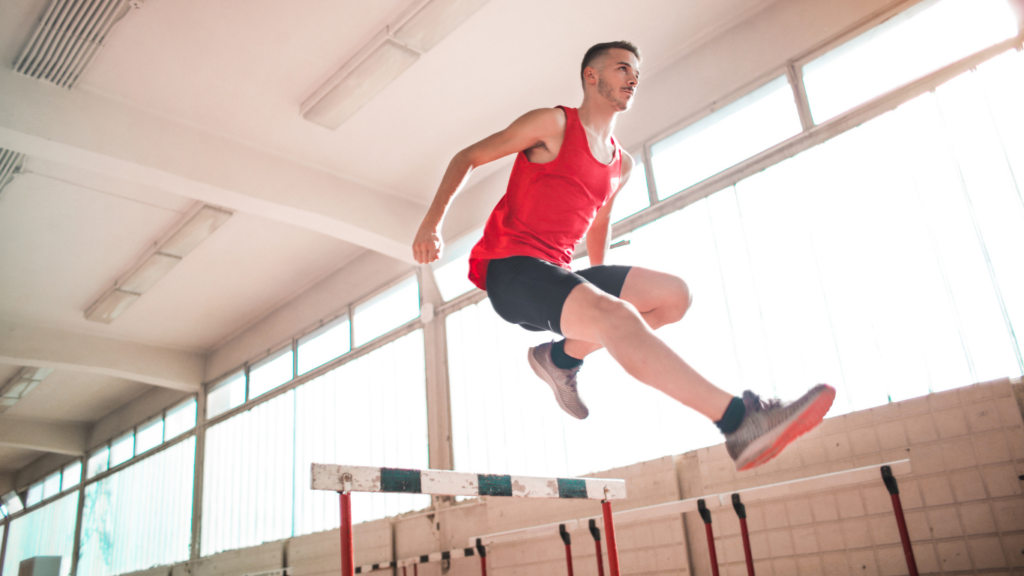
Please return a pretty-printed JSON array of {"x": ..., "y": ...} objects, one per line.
[
  {"x": 561, "y": 359},
  {"x": 733, "y": 416}
]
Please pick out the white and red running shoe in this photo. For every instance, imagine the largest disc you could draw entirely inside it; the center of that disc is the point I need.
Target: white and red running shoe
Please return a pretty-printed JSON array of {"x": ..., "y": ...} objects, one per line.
[{"x": 770, "y": 426}]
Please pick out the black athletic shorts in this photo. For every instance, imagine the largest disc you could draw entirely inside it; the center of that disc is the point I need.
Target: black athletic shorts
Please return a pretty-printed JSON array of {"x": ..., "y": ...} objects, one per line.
[{"x": 531, "y": 292}]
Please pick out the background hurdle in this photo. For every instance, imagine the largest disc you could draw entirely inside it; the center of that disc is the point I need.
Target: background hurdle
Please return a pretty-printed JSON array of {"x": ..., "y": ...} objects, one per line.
[
  {"x": 348, "y": 479},
  {"x": 705, "y": 504}
]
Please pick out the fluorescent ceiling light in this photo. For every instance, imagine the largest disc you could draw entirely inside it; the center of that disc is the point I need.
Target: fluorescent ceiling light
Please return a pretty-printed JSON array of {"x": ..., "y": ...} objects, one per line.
[
  {"x": 195, "y": 227},
  {"x": 439, "y": 18},
  {"x": 384, "y": 58},
  {"x": 21, "y": 384},
  {"x": 149, "y": 272},
  {"x": 194, "y": 231},
  {"x": 112, "y": 305},
  {"x": 360, "y": 84}
]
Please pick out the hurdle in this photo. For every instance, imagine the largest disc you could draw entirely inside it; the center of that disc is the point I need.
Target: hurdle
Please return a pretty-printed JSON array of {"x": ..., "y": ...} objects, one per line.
[
  {"x": 348, "y": 479},
  {"x": 737, "y": 500}
]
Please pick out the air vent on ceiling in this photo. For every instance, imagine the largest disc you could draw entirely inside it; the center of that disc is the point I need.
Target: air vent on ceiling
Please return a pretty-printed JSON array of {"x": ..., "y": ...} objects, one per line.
[
  {"x": 10, "y": 165},
  {"x": 68, "y": 37}
]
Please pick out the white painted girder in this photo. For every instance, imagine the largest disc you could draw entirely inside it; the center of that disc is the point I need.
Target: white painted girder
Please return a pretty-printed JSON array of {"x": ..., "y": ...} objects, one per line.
[
  {"x": 29, "y": 345},
  {"x": 53, "y": 437},
  {"x": 88, "y": 131}
]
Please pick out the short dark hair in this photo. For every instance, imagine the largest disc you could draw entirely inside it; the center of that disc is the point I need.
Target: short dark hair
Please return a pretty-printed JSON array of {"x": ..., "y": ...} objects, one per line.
[{"x": 598, "y": 50}]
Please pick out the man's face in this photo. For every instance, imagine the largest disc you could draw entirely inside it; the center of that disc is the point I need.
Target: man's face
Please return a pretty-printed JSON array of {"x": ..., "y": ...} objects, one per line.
[{"x": 618, "y": 75}]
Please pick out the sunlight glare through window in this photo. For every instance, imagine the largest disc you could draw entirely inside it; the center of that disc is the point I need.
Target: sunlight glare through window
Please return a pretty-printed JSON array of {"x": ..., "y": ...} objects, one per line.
[
  {"x": 122, "y": 449},
  {"x": 180, "y": 419},
  {"x": 913, "y": 44},
  {"x": 324, "y": 344},
  {"x": 752, "y": 124},
  {"x": 226, "y": 395},
  {"x": 270, "y": 373},
  {"x": 387, "y": 311},
  {"x": 633, "y": 197}
]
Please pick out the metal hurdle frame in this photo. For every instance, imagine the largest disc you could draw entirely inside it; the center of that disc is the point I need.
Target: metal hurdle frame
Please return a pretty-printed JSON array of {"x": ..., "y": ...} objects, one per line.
[
  {"x": 348, "y": 479},
  {"x": 737, "y": 500}
]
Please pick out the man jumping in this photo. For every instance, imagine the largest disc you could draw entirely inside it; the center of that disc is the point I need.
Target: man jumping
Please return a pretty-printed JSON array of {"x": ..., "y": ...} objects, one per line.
[{"x": 567, "y": 172}]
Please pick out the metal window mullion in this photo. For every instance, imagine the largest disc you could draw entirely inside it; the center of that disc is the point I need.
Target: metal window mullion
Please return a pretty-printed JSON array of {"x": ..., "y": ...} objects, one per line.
[
  {"x": 197, "y": 476},
  {"x": 796, "y": 82},
  {"x": 351, "y": 328},
  {"x": 652, "y": 187}
]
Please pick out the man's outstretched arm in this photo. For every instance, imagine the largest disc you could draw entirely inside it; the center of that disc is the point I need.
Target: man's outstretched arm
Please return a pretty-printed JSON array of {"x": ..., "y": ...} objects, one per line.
[
  {"x": 599, "y": 236},
  {"x": 529, "y": 130}
]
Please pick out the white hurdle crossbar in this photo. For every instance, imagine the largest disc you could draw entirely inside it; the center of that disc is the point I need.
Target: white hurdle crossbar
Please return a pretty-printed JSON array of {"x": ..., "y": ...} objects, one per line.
[{"x": 347, "y": 479}]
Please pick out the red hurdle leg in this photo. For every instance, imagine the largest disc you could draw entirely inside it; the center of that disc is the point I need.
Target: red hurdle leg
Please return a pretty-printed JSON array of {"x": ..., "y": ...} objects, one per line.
[
  {"x": 596, "y": 533},
  {"x": 481, "y": 551},
  {"x": 348, "y": 565},
  {"x": 609, "y": 530},
  {"x": 897, "y": 506},
  {"x": 705, "y": 515},
  {"x": 741, "y": 511},
  {"x": 568, "y": 547}
]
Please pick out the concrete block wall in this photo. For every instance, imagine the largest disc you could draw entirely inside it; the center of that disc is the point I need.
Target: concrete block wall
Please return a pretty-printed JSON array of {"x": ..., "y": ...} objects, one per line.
[{"x": 963, "y": 502}]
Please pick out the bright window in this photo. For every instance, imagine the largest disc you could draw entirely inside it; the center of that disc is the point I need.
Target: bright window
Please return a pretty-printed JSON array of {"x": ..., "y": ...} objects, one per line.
[
  {"x": 71, "y": 475},
  {"x": 141, "y": 516},
  {"x": 451, "y": 272},
  {"x": 256, "y": 474},
  {"x": 51, "y": 485},
  {"x": 46, "y": 531},
  {"x": 99, "y": 462},
  {"x": 324, "y": 344},
  {"x": 226, "y": 395},
  {"x": 634, "y": 197},
  {"x": 271, "y": 372},
  {"x": 915, "y": 43},
  {"x": 122, "y": 449},
  {"x": 752, "y": 124},
  {"x": 180, "y": 419},
  {"x": 150, "y": 435},
  {"x": 35, "y": 494},
  {"x": 387, "y": 311}
]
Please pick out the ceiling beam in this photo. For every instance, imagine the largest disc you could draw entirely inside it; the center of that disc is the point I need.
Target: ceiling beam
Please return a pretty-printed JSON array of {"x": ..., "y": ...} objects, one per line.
[
  {"x": 58, "y": 438},
  {"x": 89, "y": 131},
  {"x": 31, "y": 345}
]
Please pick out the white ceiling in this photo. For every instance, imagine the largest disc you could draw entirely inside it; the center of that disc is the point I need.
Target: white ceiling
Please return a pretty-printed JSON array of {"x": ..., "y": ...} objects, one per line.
[{"x": 238, "y": 70}]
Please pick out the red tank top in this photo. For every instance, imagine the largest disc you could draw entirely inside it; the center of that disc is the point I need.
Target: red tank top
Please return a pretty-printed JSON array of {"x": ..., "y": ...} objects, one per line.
[{"x": 547, "y": 208}]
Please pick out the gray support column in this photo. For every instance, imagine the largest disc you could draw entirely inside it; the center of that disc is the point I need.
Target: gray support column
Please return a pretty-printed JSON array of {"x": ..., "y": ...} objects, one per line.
[
  {"x": 439, "y": 427},
  {"x": 78, "y": 521},
  {"x": 197, "y": 482}
]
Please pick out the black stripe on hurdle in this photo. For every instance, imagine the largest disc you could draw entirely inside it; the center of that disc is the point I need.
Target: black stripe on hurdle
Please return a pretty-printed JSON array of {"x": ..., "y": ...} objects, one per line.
[
  {"x": 400, "y": 480},
  {"x": 375, "y": 566},
  {"x": 494, "y": 484},
  {"x": 446, "y": 555},
  {"x": 468, "y": 552},
  {"x": 359, "y": 569},
  {"x": 424, "y": 559},
  {"x": 572, "y": 488}
]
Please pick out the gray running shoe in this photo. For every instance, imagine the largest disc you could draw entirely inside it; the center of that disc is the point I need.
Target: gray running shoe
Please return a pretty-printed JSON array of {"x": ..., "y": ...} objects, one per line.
[
  {"x": 770, "y": 426},
  {"x": 561, "y": 381}
]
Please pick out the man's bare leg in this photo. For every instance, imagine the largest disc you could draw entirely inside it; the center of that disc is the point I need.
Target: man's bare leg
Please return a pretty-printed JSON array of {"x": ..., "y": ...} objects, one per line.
[
  {"x": 593, "y": 316},
  {"x": 660, "y": 298}
]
